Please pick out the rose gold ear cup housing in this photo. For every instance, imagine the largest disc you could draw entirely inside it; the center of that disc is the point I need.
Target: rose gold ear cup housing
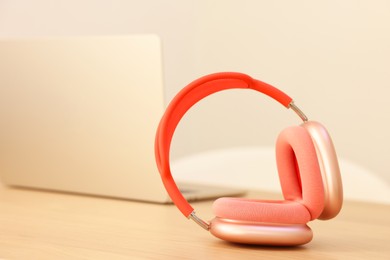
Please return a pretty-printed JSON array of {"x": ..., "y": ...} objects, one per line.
[
  {"x": 329, "y": 166},
  {"x": 272, "y": 234}
]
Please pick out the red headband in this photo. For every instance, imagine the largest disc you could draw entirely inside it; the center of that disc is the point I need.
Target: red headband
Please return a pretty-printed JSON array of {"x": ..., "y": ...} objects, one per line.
[{"x": 183, "y": 101}]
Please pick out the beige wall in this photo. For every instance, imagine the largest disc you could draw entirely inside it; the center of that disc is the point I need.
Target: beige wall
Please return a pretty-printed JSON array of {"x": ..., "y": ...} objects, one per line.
[{"x": 332, "y": 57}]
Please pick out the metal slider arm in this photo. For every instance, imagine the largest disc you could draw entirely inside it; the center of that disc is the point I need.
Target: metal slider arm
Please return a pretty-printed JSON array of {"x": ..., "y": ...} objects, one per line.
[{"x": 205, "y": 225}]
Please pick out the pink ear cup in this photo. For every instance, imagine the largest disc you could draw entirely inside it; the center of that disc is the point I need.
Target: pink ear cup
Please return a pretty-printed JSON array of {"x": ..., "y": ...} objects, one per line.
[
  {"x": 261, "y": 233},
  {"x": 301, "y": 183},
  {"x": 330, "y": 170},
  {"x": 299, "y": 170}
]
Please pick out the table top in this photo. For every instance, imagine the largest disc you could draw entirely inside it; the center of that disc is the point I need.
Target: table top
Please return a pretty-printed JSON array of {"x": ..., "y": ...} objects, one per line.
[{"x": 49, "y": 225}]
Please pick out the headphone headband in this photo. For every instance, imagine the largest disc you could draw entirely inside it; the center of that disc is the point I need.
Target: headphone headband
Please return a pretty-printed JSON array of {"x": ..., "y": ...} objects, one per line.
[{"x": 182, "y": 102}]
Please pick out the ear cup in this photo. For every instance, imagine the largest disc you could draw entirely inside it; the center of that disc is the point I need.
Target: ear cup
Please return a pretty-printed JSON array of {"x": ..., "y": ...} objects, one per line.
[
  {"x": 272, "y": 234},
  {"x": 299, "y": 170},
  {"x": 288, "y": 212}
]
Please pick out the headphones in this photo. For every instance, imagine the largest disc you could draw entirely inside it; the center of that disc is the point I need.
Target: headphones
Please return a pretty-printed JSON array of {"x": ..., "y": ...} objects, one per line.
[{"x": 306, "y": 160}]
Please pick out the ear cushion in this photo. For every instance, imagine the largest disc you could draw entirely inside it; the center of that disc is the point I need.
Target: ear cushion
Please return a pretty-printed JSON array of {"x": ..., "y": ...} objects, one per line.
[
  {"x": 301, "y": 182},
  {"x": 299, "y": 170},
  {"x": 288, "y": 212}
]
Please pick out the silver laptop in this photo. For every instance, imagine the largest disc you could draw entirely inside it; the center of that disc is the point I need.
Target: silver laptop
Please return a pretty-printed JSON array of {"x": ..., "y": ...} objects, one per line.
[{"x": 79, "y": 114}]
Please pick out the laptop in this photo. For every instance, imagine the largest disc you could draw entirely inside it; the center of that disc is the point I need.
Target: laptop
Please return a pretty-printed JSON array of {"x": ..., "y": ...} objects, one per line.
[{"x": 79, "y": 115}]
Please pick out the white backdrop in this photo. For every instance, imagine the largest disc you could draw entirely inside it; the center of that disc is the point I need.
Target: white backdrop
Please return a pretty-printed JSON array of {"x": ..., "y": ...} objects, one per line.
[{"x": 332, "y": 57}]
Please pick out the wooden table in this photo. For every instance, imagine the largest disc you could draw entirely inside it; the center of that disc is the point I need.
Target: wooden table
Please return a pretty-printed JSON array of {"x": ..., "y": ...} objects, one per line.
[{"x": 47, "y": 225}]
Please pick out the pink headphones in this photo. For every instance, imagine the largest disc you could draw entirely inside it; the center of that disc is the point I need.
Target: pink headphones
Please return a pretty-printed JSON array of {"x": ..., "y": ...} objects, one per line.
[{"x": 307, "y": 165}]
